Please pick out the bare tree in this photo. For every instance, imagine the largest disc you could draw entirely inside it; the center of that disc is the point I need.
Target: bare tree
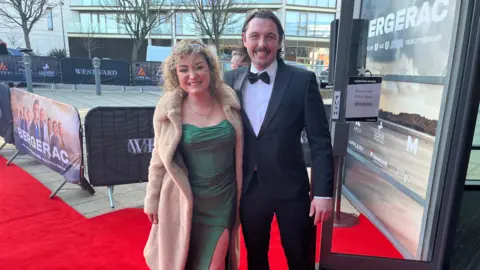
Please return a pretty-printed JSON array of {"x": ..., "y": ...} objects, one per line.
[
  {"x": 213, "y": 17},
  {"x": 13, "y": 39},
  {"x": 24, "y": 13},
  {"x": 138, "y": 17},
  {"x": 90, "y": 43}
]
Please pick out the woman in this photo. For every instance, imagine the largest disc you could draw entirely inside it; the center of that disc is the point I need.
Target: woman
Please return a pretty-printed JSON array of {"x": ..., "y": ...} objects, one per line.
[{"x": 195, "y": 174}]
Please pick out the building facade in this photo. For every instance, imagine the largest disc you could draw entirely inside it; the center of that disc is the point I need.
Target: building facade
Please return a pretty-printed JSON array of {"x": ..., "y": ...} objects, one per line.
[
  {"x": 50, "y": 32},
  {"x": 306, "y": 23}
]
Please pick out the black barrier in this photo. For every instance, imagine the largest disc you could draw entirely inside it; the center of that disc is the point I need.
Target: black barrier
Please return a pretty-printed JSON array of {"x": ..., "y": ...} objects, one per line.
[
  {"x": 80, "y": 71},
  {"x": 119, "y": 142},
  {"x": 6, "y": 118},
  {"x": 45, "y": 70},
  {"x": 304, "y": 140},
  {"x": 11, "y": 68},
  {"x": 147, "y": 73}
]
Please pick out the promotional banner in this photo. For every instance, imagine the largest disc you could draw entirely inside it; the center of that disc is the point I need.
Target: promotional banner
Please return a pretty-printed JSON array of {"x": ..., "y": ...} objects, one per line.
[
  {"x": 147, "y": 73},
  {"x": 409, "y": 37},
  {"x": 119, "y": 144},
  {"x": 80, "y": 71},
  {"x": 11, "y": 68},
  {"x": 49, "y": 131},
  {"x": 45, "y": 70},
  {"x": 389, "y": 162},
  {"x": 6, "y": 120}
]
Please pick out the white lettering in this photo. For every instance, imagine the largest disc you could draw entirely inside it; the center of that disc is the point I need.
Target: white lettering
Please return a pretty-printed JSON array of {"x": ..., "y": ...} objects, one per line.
[
  {"x": 410, "y": 17},
  {"x": 43, "y": 147},
  {"x": 412, "y": 145},
  {"x": 399, "y": 23},
  {"x": 390, "y": 23}
]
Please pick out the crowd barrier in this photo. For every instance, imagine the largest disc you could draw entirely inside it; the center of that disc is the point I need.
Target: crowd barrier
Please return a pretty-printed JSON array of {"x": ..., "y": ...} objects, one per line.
[
  {"x": 45, "y": 129},
  {"x": 70, "y": 70}
]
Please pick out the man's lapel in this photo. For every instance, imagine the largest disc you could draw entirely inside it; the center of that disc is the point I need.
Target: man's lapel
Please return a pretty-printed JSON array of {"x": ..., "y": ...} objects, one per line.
[
  {"x": 239, "y": 77},
  {"x": 282, "y": 79}
]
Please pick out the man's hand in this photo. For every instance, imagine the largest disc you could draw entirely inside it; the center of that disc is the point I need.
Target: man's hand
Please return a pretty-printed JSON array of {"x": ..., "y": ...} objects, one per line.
[
  {"x": 153, "y": 218},
  {"x": 321, "y": 209}
]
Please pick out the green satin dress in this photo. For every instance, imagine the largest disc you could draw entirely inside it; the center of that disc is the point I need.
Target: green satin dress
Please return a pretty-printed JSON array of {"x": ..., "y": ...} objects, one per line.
[{"x": 209, "y": 154}]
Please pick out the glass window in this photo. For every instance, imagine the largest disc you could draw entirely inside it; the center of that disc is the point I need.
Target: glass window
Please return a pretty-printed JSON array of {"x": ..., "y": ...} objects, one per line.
[
  {"x": 308, "y": 24},
  {"x": 291, "y": 23},
  {"x": 102, "y": 23},
  {"x": 235, "y": 25},
  {"x": 184, "y": 24},
  {"x": 85, "y": 22},
  {"x": 111, "y": 23},
  {"x": 322, "y": 24},
  {"x": 50, "y": 19}
]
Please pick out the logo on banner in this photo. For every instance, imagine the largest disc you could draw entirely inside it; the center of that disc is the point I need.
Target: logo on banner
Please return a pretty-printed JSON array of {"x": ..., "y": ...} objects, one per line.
[
  {"x": 378, "y": 134},
  {"x": 141, "y": 72},
  {"x": 411, "y": 147},
  {"x": 46, "y": 71},
  {"x": 140, "y": 146},
  {"x": 356, "y": 146},
  {"x": 377, "y": 160},
  {"x": 357, "y": 127},
  {"x": 3, "y": 66},
  {"x": 407, "y": 178},
  {"x": 91, "y": 71}
]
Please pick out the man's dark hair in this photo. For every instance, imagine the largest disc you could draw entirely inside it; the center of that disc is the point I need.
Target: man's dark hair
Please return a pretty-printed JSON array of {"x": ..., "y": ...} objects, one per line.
[{"x": 265, "y": 15}]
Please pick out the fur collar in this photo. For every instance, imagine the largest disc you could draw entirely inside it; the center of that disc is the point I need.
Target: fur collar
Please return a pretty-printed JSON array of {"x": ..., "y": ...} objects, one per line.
[{"x": 170, "y": 103}]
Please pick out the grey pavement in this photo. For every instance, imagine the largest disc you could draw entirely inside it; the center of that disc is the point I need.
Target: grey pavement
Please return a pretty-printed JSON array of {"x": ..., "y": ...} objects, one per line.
[{"x": 125, "y": 196}]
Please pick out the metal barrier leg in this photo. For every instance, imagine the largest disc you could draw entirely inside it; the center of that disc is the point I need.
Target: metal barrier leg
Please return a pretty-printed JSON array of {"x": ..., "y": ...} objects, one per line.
[
  {"x": 110, "y": 196},
  {"x": 13, "y": 157},
  {"x": 58, "y": 189},
  {"x": 3, "y": 145}
]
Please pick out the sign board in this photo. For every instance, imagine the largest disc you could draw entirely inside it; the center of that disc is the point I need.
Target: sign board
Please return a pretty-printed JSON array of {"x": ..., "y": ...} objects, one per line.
[
  {"x": 336, "y": 105},
  {"x": 363, "y": 99}
]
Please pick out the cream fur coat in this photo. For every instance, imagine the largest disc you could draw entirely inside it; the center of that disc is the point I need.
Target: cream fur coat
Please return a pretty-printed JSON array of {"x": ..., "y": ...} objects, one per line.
[{"x": 168, "y": 191}]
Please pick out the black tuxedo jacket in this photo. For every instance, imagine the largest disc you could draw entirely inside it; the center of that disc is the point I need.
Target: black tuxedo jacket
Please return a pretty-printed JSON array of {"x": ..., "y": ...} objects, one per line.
[{"x": 277, "y": 152}]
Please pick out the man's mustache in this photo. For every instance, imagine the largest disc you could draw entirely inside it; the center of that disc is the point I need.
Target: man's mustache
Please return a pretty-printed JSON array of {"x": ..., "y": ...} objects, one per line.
[{"x": 260, "y": 49}]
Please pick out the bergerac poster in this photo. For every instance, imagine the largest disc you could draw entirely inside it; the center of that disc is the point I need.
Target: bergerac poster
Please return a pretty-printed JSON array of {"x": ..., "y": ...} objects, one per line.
[
  {"x": 389, "y": 162},
  {"x": 49, "y": 131}
]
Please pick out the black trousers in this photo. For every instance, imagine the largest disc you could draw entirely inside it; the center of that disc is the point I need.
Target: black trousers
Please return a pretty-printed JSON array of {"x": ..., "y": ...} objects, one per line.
[{"x": 296, "y": 227}]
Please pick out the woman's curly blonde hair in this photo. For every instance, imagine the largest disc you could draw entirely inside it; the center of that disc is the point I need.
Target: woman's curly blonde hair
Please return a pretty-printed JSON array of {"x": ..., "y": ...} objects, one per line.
[{"x": 187, "y": 47}]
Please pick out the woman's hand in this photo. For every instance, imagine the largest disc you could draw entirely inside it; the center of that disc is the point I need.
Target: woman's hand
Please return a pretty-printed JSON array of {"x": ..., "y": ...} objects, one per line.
[{"x": 153, "y": 218}]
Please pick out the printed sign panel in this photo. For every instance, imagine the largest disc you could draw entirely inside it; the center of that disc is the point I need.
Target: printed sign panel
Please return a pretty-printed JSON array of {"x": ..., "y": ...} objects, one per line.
[
  {"x": 119, "y": 144},
  {"x": 389, "y": 162},
  {"x": 49, "y": 131}
]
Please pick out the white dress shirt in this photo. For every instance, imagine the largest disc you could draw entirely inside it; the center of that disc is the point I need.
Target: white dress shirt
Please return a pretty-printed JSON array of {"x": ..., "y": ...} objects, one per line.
[{"x": 256, "y": 97}]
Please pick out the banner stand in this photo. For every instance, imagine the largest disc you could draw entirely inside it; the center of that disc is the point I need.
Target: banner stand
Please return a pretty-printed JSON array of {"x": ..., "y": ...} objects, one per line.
[
  {"x": 13, "y": 157},
  {"x": 110, "y": 196},
  {"x": 57, "y": 189},
  {"x": 3, "y": 145}
]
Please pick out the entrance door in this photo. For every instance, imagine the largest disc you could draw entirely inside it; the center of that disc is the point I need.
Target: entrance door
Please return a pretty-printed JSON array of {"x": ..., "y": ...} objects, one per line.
[{"x": 399, "y": 175}]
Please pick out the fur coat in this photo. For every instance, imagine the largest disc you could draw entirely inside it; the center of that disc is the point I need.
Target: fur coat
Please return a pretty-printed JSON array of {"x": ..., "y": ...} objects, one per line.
[{"x": 168, "y": 191}]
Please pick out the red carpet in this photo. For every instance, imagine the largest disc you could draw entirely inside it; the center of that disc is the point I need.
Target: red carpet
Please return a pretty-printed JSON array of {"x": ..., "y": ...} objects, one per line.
[{"x": 39, "y": 233}]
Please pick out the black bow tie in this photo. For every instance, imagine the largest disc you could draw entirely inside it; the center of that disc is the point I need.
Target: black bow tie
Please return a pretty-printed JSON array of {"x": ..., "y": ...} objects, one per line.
[{"x": 253, "y": 77}]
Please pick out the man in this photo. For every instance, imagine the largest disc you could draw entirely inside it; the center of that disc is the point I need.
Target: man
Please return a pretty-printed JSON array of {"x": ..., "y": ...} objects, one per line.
[
  {"x": 43, "y": 127},
  {"x": 278, "y": 101},
  {"x": 237, "y": 60},
  {"x": 35, "y": 124}
]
